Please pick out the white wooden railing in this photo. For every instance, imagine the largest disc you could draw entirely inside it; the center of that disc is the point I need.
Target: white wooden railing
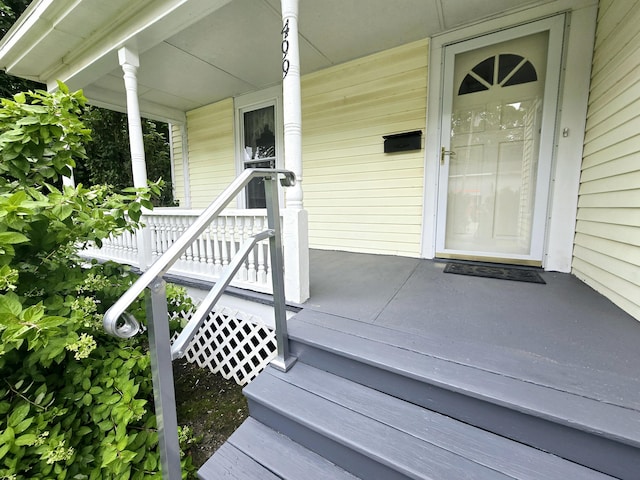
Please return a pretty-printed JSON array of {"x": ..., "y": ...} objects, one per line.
[{"x": 207, "y": 255}]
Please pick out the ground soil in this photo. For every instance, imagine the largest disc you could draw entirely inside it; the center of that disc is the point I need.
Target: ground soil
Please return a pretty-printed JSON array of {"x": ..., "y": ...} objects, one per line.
[{"x": 212, "y": 406}]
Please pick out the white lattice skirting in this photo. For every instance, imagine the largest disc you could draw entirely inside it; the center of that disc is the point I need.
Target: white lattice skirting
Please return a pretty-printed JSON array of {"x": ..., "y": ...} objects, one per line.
[{"x": 231, "y": 345}]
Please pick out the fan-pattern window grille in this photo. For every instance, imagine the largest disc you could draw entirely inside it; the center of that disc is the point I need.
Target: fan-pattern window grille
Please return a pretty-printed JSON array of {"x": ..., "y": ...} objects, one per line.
[
  {"x": 229, "y": 344},
  {"x": 503, "y": 70}
]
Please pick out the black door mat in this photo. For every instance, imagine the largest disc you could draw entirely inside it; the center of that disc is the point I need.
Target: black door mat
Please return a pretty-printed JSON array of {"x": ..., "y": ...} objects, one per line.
[{"x": 501, "y": 273}]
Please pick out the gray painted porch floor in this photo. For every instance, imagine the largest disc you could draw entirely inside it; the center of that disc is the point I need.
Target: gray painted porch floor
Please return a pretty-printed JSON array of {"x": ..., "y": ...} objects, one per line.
[{"x": 563, "y": 334}]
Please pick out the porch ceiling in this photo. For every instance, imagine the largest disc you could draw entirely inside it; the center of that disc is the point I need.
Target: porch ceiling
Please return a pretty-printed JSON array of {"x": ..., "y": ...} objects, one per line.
[{"x": 195, "y": 52}]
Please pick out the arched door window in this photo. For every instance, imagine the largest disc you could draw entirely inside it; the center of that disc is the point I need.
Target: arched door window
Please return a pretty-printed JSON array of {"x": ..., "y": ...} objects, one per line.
[{"x": 502, "y": 70}]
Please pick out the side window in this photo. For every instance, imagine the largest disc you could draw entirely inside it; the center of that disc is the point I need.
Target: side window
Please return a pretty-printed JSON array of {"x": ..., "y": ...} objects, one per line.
[{"x": 258, "y": 149}]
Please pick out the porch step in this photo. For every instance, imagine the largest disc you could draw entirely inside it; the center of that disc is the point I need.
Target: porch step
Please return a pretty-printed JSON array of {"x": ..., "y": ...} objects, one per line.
[
  {"x": 273, "y": 456},
  {"x": 370, "y": 434},
  {"x": 587, "y": 431}
]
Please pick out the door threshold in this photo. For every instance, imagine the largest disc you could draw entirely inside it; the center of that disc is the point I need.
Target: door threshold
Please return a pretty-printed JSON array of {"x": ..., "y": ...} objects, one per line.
[{"x": 490, "y": 261}]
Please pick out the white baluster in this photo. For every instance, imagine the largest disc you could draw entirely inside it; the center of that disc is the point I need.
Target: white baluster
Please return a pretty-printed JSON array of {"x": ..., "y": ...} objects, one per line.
[
  {"x": 233, "y": 239},
  {"x": 175, "y": 233},
  {"x": 262, "y": 268},
  {"x": 202, "y": 248},
  {"x": 217, "y": 254},
  {"x": 124, "y": 245},
  {"x": 184, "y": 224},
  {"x": 114, "y": 246},
  {"x": 166, "y": 233},
  {"x": 208, "y": 234},
  {"x": 152, "y": 224},
  {"x": 251, "y": 260},
  {"x": 224, "y": 246},
  {"x": 243, "y": 233}
]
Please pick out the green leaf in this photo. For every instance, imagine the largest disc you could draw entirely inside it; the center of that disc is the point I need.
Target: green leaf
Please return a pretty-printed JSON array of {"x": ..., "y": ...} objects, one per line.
[
  {"x": 26, "y": 439},
  {"x": 62, "y": 212},
  {"x": 146, "y": 204},
  {"x": 12, "y": 238},
  {"x": 150, "y": 463},
  {"x": 52, "y": 321},
  {"x": 9, "y": 303},
  {"x": 63, "y": 87},
  {"x": 3, "y": 450},
  {"x": 23, "y": 425},
  {"x": 18, "y": 415},
  {"x": 82, "y": 431},
  {"x": 109, "y": 456},
  {"x": 127, "y": 455},
  {"x": 135, "y": 214},
  {"x": 122, "y": 443},
  {"x": 7, "y": 436},
  {"x": 39, "y": 398}
]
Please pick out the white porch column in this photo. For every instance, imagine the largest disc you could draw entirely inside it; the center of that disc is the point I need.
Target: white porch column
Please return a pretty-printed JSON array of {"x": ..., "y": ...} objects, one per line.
[
  {"x": 130, "y": 62},
  {"x": 296, "y": 223},
  {"x": 69, "y": 181}
]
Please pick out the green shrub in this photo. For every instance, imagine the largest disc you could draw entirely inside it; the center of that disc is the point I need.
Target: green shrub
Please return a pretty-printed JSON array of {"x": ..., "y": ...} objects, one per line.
[{"x": 74, "y": 402}]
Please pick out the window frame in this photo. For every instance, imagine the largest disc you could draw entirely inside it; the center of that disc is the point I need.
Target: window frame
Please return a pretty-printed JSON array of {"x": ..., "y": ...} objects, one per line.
[{"x": 248, "y": 103}]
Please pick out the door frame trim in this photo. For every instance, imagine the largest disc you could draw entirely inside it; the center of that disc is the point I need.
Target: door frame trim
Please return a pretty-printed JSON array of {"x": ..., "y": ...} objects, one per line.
[{"x": 572, "y": 107}]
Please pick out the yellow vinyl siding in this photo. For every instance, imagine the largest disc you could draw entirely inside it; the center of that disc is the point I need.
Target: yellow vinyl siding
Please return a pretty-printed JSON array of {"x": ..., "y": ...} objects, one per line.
[
  {"x": 607, "y": 242},
  {"x": 178, "y": 166},
  {"x": 211, "y": 151},
  {"x": 359, "y": 198}
]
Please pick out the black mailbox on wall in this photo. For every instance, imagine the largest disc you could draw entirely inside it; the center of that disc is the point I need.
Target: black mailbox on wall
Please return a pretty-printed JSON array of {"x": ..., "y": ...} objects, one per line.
[{"x": 402, "y": 142}]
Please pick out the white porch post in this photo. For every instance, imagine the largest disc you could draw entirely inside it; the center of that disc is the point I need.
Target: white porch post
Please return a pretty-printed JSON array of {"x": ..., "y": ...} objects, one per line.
[
  {"x": 69, "y": 181},
  {"x": 295, "y": 228},
  {"x": 130, "y": 62}
]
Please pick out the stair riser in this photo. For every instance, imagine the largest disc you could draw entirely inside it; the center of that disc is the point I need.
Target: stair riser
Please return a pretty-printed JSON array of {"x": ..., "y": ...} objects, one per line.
[
  {"x": 334, "y": 451},
  {"x": 596, "y": 452}
]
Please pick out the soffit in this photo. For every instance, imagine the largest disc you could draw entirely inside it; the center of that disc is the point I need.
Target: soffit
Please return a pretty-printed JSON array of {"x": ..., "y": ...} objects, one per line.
[{"x": 201, "y": 51}]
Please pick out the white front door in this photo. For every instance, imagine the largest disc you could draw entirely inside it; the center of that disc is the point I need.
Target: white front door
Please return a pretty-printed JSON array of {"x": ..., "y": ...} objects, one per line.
[{"x": 496, "y": 148}]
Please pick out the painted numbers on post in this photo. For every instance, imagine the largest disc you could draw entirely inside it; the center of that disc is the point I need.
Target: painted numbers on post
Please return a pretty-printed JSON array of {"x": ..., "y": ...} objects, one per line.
[{"x": 285, "y": 49}]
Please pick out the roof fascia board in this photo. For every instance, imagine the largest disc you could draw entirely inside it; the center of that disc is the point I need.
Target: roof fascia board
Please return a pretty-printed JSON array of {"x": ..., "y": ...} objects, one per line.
[
  {"x": 30, "y": 28},
  {"x": 152, "y": 24}
]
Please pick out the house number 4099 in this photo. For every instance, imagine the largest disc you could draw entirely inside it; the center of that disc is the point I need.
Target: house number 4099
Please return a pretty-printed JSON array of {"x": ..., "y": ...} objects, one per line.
[{"x": 285, "y": 49}]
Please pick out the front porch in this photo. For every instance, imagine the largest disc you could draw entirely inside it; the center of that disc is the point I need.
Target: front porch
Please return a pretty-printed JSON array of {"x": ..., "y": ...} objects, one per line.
[
  {"x": 551, "y": 366},
  {"x": 551, "y": 332}
]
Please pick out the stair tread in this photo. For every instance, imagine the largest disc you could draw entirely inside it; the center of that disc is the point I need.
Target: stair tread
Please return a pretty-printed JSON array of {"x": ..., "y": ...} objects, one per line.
[
  {"x": 282, "y": 456},
  {"x": 228, "y": 462},
  {"x": 415, "y": 441},
  {"x": 255, "y": 451},
  {"x": 373, "y": 345}
]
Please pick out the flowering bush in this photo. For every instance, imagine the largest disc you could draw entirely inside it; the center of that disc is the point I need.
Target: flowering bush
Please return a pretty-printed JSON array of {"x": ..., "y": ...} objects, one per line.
[{"x": 74, "y": 402}]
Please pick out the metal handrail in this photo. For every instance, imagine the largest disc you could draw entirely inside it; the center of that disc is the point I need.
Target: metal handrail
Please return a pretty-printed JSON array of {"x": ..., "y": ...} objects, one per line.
[
  {"x": 115, "y": 321},
  {"x": 119, "y": 323}
]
